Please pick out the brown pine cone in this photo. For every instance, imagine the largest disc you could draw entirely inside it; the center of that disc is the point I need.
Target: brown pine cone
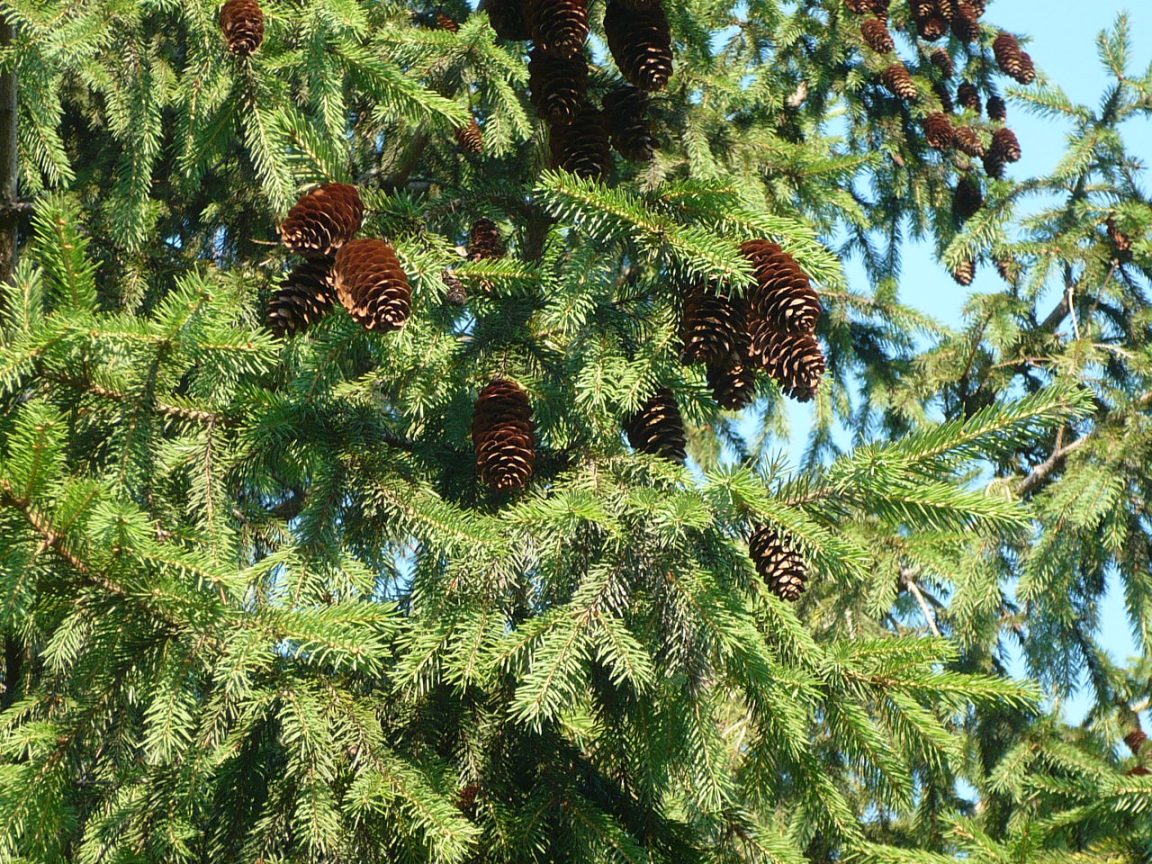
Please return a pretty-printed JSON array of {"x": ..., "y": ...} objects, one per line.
[
  {"x": 1135, "y": 740},
  {"x": 470, "y": 138},
  {"x": 582, "y": 146},
  {"x": 779, "y": 564},
  {"x": 303, "y": 298},
  {"x": 879, "y": 8},
  {"x": 485, "y": 241},
  {"x": 557, "y": 85},
  {"x": 503, "y": 435},
  {"x": 795, "y": 361},
  {"x": 945, "y": 97},
  {"x": 898, "y": 80},
  {"x": 457, "y": 294},
  {"x": 932, "y": 25},
  {"x": 966, "y": 23},
  {"x": 964, "y": 272},
  {"x": 1012, "y": 59},
  {"x": 938, "y": 131},
  {"x": 1009, "y": 269},
  {"x": 1006, "y": 144},
  {"x": 508, "y": 19},
  {"x": 658, "y": 428},
  {"x": 323, "y": 220},
  {"x": 559, "y": 27},
  {"x": 242, "y": 22},
  {"x": 969, "y": 97},
  {"x": 1137, "y": 771},
  {"x": 994, "y": 164},
  {"x": 967, "y": 199},
  {"x": 876, "y": 36},
  {"x": 857, "y": 6},
  {"x": 942, "y": 60},
  {"x": 710, "y": 326},
  {"x": 372, "y": 286},
  {"x": 968, "y": 141},
  {"x": 733, "y": 378},
  {"x": 641, "y": 44},
  {"x": 997, "y": 109},
  {"x": 782, "y": 298},
  {"x": 1121, "y": 242},
  {"x": 445, "y": 21},
  {"x": 626, "y": 116}
]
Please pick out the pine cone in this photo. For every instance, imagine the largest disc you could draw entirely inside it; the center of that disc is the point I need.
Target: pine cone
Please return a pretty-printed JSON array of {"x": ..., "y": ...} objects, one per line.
[
  {"x": 559, "y": 27},
  {"x": 968, "y": 141},
  {"x": 710, "y": 325},
  {"x": 466, "y": 798},
  {"x": 1012, "y": 59},
  {"x": 997, "y": 109},
  {"x": 323, "y": 220},
  {"x": 457, "y": 294},
  {"x": 942, "y": 60},
  {"x": 994, "y": 164},
  {"x": 658, "y": 428},
  {"x": 303, "y": 298},
  {"x": 795, "y": 361},
  {"x": 641, "y": 44},
  {"x": 1121, "y": 242},
  {"x": 938, "y": 131},
  {"x": 557, "y": 85},
  {"x": 626, "y": 116},
  {"x": 1135, "y": 740},
  {"x": 733, "y": 378},
  {"x": 485, "y": 241},
  {"x": 507, "y": 18},
  {"x": 503, "y": 435},
  {"x": 857, "y": 6},
  {"x": 930, "y": 23},
  {"x": 783, "y": 298},
  {"x": 898, "y": 80},
  {"x": 876, "y": 36},
  {"x": 445, "y": 21},
  {"x": 582, "y": 146},
  {"x": 780, "y": 566},
  {"x": 372, "y": 285},
  {"x": 944, "y": 96},
  {"x": 242, "y": 22},
  {"x": 1009, "y": 269},
  {"x": 968, "y": 97},
  {"x": 879, "y": 8},
  {"x": 964, "y": 272},
  {"x": 470, "y": 138},
  {"x": 1005, "y": 142},
  {"x": 967, "y": 199},
  {"x": 1137, "y": 771},
  {"x": 966, "y": 23}
]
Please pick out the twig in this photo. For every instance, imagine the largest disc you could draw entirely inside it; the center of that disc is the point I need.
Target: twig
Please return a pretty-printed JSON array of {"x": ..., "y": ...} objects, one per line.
[{"x": 907, "y": 578}]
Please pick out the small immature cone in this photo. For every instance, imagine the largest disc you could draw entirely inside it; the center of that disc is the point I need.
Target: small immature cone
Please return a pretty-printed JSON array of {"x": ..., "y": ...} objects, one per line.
[
  {"x": 503, "y": 435},
  {"x": 242, "y": 22},
  {"x": 470, "y": 138},
  {"x": 507, "y": 19},
  {"x": 323, "y": 220},
  {"x": 557, "y": 85},
  {"x": 626, "y": 116},
  {"x": 303, "y": 298},
  {"x": 876, "y": 36},
  {"x": 1006, "y": 144},
  {"x": 780, "y": 566},
  {"x": 964, "y": 272},
  {"x": 1012, "y": 59},
  {"x": 485, "y": 241},
  {"x": 658, "y": 428},
  {"x": 782, "y": 298},
  {"x": 372, "y": 286},
  {"x": 968, "y": 97},
  {"x": 559, "y": 27},
  {"x": 938, "y": 131},
  {"x": 582, "y": 146},
  {"x": 795, "y": 361},
  {"x": 967, "y": 199},
  {"x": 899, "y": 82},
  {"x": 968, "y": 140},
  {"x": 640, "y": 42},
  {"x": 997, "y": 109},
  {"x": 710, "y": 326}
]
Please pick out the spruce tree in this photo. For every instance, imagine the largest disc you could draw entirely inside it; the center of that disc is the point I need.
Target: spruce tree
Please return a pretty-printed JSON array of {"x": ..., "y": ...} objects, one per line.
[{"x": 390, "y": 399}]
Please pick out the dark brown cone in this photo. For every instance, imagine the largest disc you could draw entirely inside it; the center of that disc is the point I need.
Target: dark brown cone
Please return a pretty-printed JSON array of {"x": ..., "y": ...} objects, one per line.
[
  {"x": 997, "y": 109},
  {"x": 658, "y": 428},
  {"x": 932, "y": 27},
  {"x": 964, "y": 272},
  {"x": 372, "y": 286},
  {"x": 898, "y": 80},
  {"x": 879, "y": 8},
  {"x": 641, "y": 44},
  {"x": 1006, "y": 144},
  {"x": 323, "y": 220},
  {"x": 857, "y": 6},
  {"x": 779, "y": 564},
  {"x": 466, "y": 798},
  {"x": 470, "y": 138},
  {"x": 783, "y": 297},
  {"x": 626, "y": 116},
  {"x": 1009, "y": 269},
  {"x": 733, "y": 378},
  {"x": 994, "y": 164},
  {"x": 557, "y": 85},
  {"x": 942, "y": 60},
  {"x": 938, "y": 131},
  {"x": 503, "y": 435},
  {"x": 559, "y": 27},
  {"x": 242, "y": 22},
  {"x": 1135, "y": 740},
  {"x": 968, "y": 141},
  {"x": 967, "y": 199},
  {"x": 1137, "y": 771},
  {"x": 876, "y": 36},
  {"x": 581, "y": 146},
  {"x": 795, "y": 361},
  {"x": 485, "y": 241},
  {"x": 303, "y": 298},
  {"x": 945, "y": 97},
  {"x": 966, "y": 23},
  {"x": 710, "y": 326},
  {"x": 968, "y": 97},
  {"x": 1012, "y": 59},
  {"x": 1121, "y": 242},
  {"x": 507, "y": 19},
  {"x": 457, "y": 294},
  {"x": 447, "y": 22}
]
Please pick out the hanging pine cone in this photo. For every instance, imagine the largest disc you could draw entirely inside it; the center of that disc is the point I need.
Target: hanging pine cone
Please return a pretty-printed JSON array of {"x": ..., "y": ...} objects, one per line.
[
  {"x": 966, "y": 23},
  {"x": 1121, "y": 242},
  {"x": 1013, "y": 61},
  {"x": 466, "y": 798},
  {"x": 780, "y": 566},
  {"x": 710, "y": 325},
  {"x": 658, "y": 428},
  {"x": 942, "y": 60},
  {"x": 1005, "y": 142},
  {"x": 507, "y": 18},
  {"x": 898, "y": 80},
  {"x": 879, "y": 8},
  {"x": 783, "y": 298},
  {"x": 557, "y": 85},
  {"x": 733, "y": 378},
  {"x": 857, "y": 6},
  {"x": 1135, "y": 740},
  {"x": 444, "y": 21},
  {"x": 323, "y": 220},
  {"x": 945, "y": 97},
  {"x": 968, "y": 141},
  {"x": 559, "y": 27},
  {"x": 242, "y": 22},
  {"x": 994, "y": 164},
  {"x": 1138, "y": 771},
  {"x": 967, "y": 199},
  {"x": 968, "y": 97},
  {"x": 503, "y": 435},
  {"x": 641, "y": 44},
  {"x": 626, "y": 116},
  {"x": 1009, "y": 269},
  {"x": 372, "y": 286},
  {"x": 964, "y": 272},
  {"x": 938, "y": 131},
  {"x": 303, "y": 298},
  {"x": 470, "y": 138},
  {"x": 997, "y": 109},
  {"x": 457, "y": 294},
  {"x": 795, "y": 361},
  {"x": 931, "y": 17},
  {"x": 485, "y": 241},
  {"x": 876, "y": 36},
  {"x": 581, "y": 146}
]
